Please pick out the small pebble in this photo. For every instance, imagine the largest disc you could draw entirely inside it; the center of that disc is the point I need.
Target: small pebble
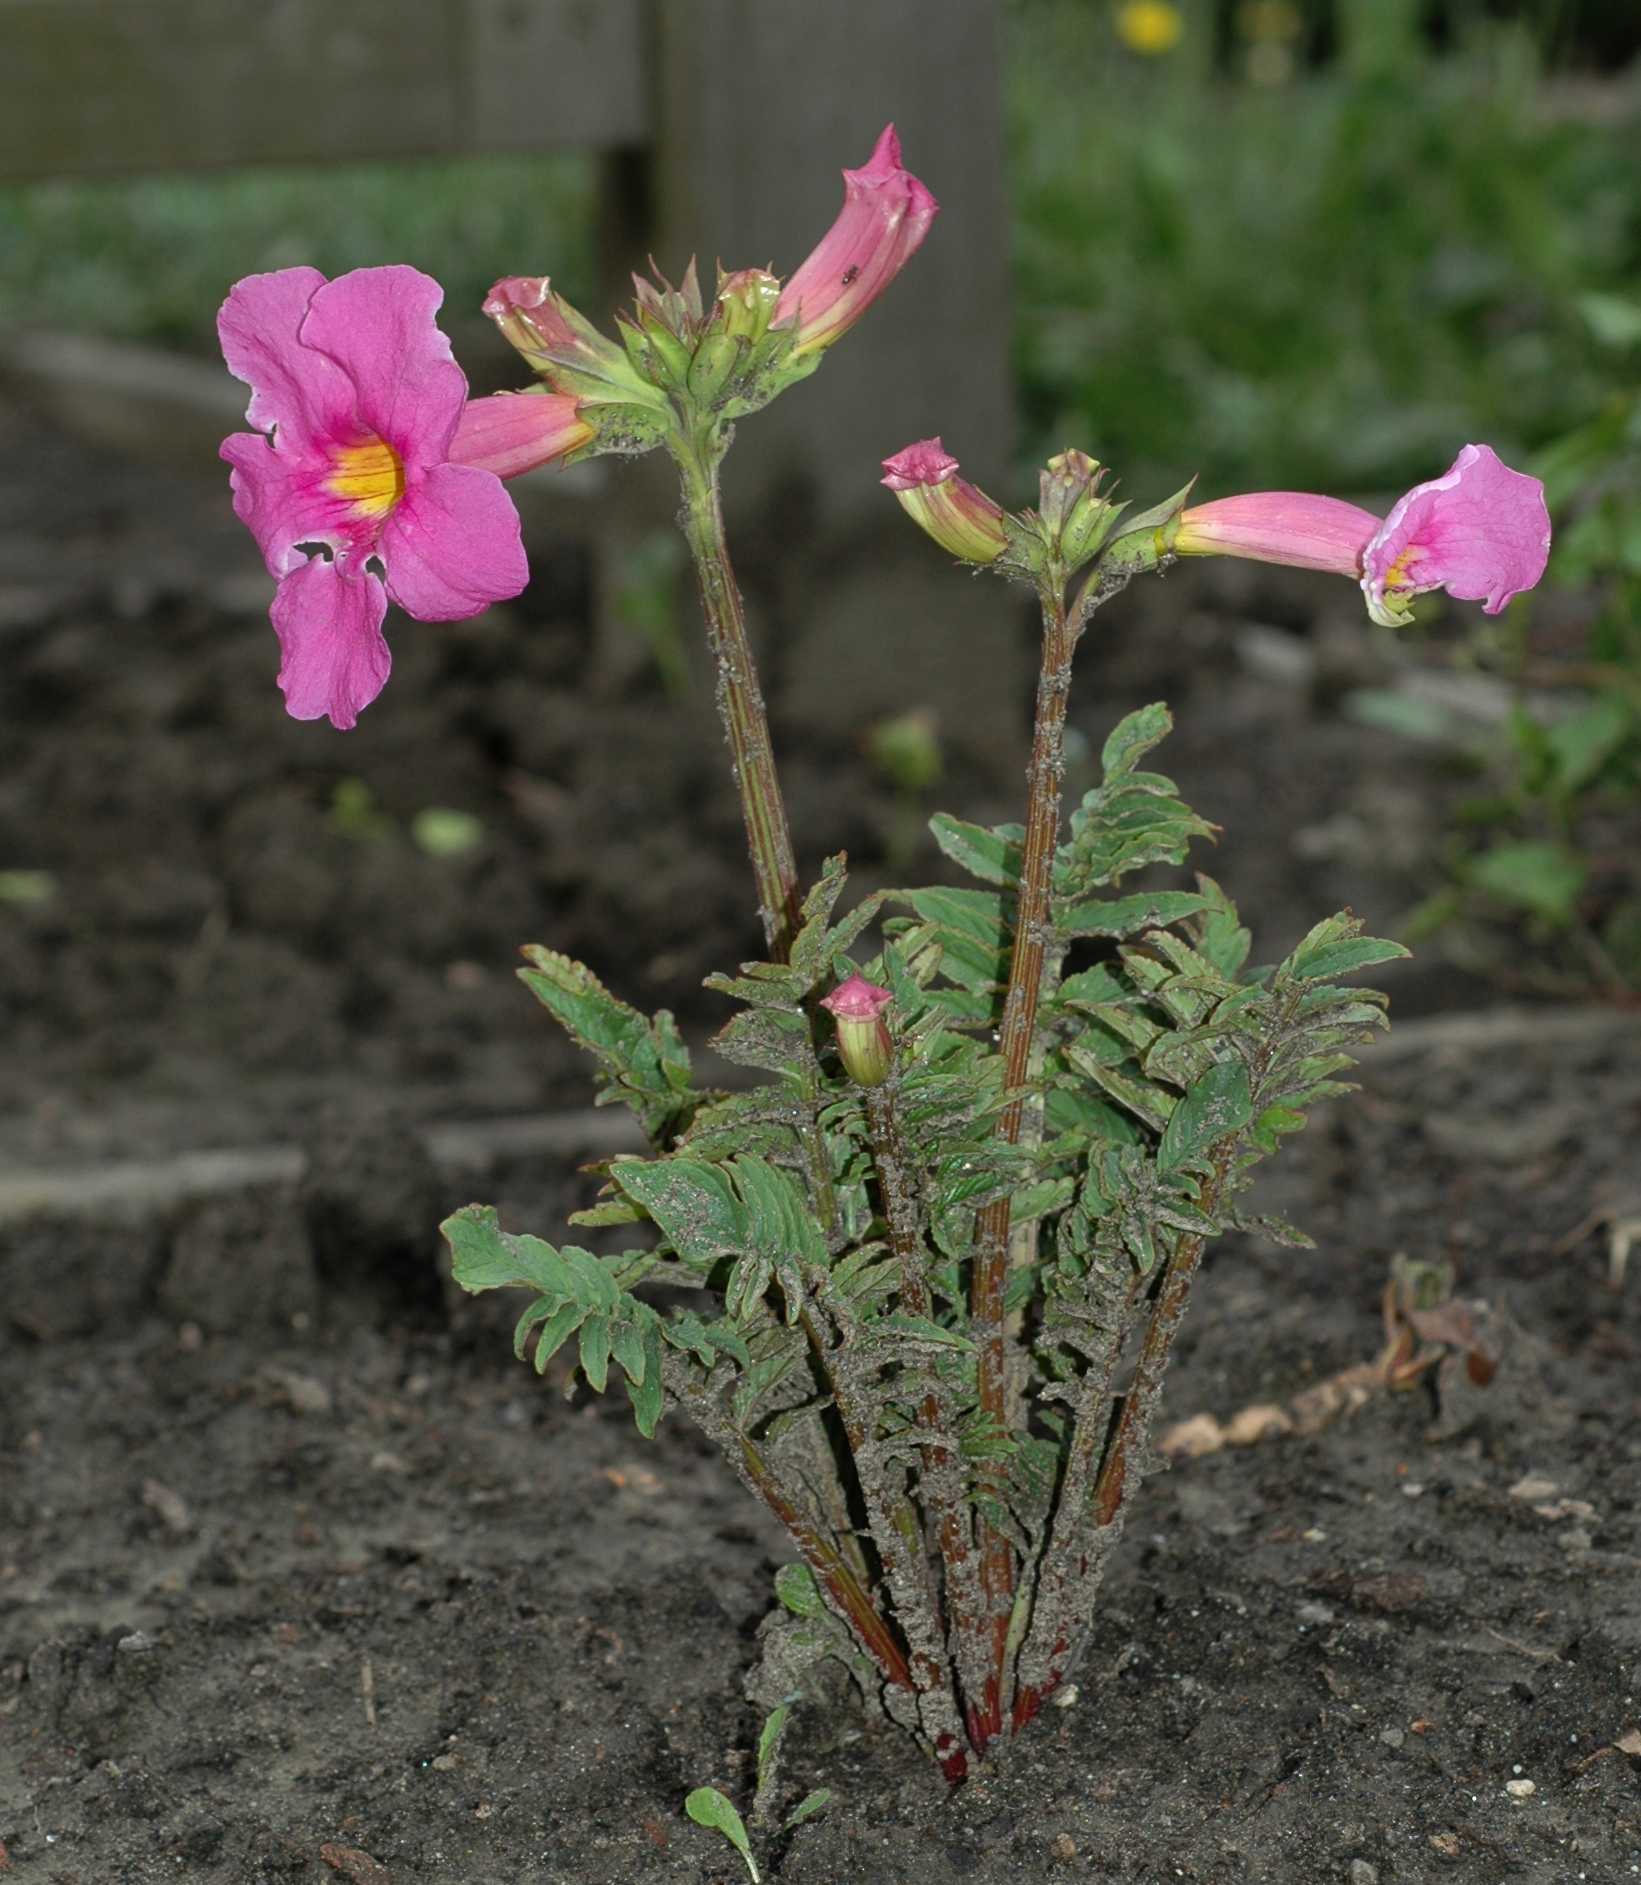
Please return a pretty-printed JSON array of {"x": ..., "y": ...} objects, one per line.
[
  {"x": 1392, "y": 1737},
  {"x": 1361, "y": 1873},
  {"x": 1065, "y": 1847},
  {"x": 1533, "y": 1488},
  {"x": 1520, "y": 1789}
]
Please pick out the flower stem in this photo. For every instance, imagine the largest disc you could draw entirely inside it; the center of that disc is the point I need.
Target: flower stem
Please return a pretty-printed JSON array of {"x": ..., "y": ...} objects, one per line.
[
  {"x": 1032, "y": 927},
  {"x": 740, "y": 700}
]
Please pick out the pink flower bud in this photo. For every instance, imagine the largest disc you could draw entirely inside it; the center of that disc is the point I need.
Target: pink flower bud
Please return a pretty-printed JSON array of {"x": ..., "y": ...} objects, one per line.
[
  {"x": 509, "y": 433},
  {"x": 960, "y": 517},
  {"x": 562, "y": 345},
  {"x": 864, "y": 1043},
  {"x": 886, "y": 214}
]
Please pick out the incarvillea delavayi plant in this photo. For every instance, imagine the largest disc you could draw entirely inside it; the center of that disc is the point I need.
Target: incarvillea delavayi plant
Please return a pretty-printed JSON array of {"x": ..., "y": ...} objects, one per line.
[{"x": 925, "y": 1273}]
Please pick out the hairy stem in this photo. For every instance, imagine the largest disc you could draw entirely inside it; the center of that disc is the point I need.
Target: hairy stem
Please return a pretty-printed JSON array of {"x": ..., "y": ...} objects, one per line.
[
  {"x": 740, "y": 700},
  {"x": 1032, "y": 926},
  {"x": 846, "y": 1596},
  {"x": 1088, "y": 1517},
  {"x": 943, "y": 1487}
]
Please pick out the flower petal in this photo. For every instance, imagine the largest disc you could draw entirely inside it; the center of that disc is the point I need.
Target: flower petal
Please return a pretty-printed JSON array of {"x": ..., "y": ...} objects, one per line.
[
  {"x": 328, "y": 617},
  {"x": 284, "y": 499},
  {"x": 885, "y": 216},
  {"x": 451, "y": 547},
  {"x": 305, "y": 395},
  {"x": 513, "y": 432},
  {"x": 377, "y": 325},
  {"x": 1481, "y": 532},
  {"x": 1292, "y": 527}
]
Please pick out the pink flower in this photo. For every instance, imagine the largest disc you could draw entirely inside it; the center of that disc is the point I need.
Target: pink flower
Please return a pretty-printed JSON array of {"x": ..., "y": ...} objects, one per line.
[
  {"x": 349, "y": 484},
  {"x": 1481, "y": 532},
  {"x": 886, "y": 214},
  {"x": 958, "y": 515}
]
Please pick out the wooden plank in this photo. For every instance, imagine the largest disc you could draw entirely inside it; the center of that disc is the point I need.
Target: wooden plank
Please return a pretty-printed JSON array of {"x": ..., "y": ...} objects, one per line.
[{"x": 99, "y": 87}]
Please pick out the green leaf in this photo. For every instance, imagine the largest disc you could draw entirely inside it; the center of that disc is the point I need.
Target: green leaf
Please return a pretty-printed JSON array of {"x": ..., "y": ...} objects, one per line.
[
  {"x": 1124, "y": 916},
  {"x": 484, "y": 1256},
  {"x": 919, "y": 1329},
  {"x": 1133, "y": 737},
  {"x": 646, "y": 1391},
  {"x": 1583, "y": 743},
  {"x": 1336, "y": 947},
  {"x": 694, "y": 1204},
  {"x": 775, "y": 1039},
  {"x": 595, "y": 1352},
  {"x": 810, "y": 1803},
  {"x": 1219, "y": 1103},
  {"x": 992, "y": 856},
  {"x": 646, "y": 1064},
  {"x": 557, "y": 1326},
  {"x": 1535, "y": 874},
  {"x": 708, "y": 1807},
  {"x": 797, "y": 1590},
  {"x": 770, "y": 1739}
]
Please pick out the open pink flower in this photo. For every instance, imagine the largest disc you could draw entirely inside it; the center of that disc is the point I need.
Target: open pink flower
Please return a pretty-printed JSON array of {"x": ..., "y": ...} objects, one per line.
[
  {"x": 349, "y": 485},
  {"x": 1481, "y": 532},
  {"x": 886, "y": 214}
]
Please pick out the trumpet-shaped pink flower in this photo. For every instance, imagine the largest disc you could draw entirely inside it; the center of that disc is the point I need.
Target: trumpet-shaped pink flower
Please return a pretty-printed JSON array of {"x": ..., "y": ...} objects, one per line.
[
  {"x": 958, "y": 515},
  {"x": 349, "y": 483},
  {"x": 1481, "y": 532},
  {"x": 886, "y": 214}
]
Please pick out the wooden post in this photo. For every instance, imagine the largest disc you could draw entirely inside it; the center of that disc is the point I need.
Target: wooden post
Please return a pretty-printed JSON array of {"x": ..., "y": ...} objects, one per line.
[{"x": 757, "y": 109}]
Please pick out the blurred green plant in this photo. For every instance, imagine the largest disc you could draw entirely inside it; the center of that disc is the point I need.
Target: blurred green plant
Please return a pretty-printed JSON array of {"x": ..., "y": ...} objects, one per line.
[
  {"x": 1552, "y": 849},
  {"x": 150, "y": 258},
  {"x": 904, "y": 751},
  {"x": 1317, "y": 281}
]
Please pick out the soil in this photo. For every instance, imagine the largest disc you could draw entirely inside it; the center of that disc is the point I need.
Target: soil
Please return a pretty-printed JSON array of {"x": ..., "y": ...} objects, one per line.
[{"x": 303, "y": 1578}]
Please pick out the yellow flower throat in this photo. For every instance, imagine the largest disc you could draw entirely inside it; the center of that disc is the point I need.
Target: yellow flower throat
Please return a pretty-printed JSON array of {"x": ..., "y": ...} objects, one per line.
[{"x": 371, "y": 475}]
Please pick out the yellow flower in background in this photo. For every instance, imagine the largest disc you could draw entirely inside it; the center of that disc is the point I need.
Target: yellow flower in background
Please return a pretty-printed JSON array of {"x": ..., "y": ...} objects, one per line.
[{"x": 1150, "y": 26}]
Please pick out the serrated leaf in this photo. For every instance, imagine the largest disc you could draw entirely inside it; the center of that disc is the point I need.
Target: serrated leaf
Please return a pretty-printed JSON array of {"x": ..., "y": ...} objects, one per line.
[
  {"x": 1126, "y": 916},
  {"x": 556, "y": 1328},
  {"x": 647, "y": 1393},
  {"x": 484, "y": 1256},
  {"x": 1133, "y": 737},
  {"x": 646, "y": 1064},
  {"x": 627, "y": 1347},
  {"x": 1219, "y": 1103},
  {"x": 992, "y": 856},
  {"x": 595, "y": 1352},
  {"x": 1343, "y": 957},
  {"x": 919, "y": 1329},
  {"x": 774, "y": 1039},
  {"x": 694, "y": 1204}
]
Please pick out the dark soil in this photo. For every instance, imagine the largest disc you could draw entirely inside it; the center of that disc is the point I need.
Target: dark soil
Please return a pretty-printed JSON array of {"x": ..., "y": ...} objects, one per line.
[{"x": 302, "y": 1578}]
